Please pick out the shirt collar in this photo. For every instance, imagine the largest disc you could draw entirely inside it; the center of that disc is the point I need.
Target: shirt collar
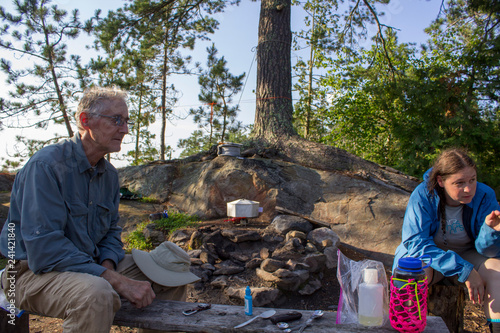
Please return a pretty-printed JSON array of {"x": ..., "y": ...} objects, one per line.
[{"x": 81, "y": 158}]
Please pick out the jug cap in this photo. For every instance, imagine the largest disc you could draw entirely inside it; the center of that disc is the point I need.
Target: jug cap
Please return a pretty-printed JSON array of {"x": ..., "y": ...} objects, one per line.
[
  {"x": 414, "y": 264},
  {"x": 370, "y": 275},
  {"x": 410, "y": 263}
]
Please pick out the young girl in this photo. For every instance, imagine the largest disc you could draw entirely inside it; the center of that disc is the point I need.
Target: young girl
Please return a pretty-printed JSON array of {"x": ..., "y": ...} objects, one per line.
[{"x": 456, "y": 220}]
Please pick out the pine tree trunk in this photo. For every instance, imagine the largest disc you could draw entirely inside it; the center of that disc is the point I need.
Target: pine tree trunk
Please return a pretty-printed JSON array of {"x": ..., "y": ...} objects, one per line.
[{"x": 274, "y": 111}]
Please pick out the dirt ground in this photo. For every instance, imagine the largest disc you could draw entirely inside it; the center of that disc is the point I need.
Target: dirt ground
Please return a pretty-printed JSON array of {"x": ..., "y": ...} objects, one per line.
[{"x": 133, "y": 212}]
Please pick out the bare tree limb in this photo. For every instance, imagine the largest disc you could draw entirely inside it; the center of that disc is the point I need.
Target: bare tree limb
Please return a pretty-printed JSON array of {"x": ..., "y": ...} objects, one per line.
[{"x": 380, "y": 33}]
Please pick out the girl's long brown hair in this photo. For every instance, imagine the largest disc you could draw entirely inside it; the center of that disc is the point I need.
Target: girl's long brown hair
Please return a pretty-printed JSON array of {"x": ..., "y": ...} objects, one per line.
[{"x": 447, "y": 163}]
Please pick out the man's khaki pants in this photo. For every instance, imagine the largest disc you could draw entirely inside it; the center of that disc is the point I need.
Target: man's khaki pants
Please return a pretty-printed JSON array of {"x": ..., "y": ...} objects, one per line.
[{"x": 86, "y": 302}]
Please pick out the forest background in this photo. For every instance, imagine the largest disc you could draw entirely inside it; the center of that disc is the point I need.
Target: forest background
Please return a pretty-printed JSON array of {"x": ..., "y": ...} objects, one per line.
[{"x": 356, "y": 87}]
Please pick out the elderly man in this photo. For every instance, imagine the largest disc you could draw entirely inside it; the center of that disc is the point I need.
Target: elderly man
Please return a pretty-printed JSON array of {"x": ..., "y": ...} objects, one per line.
[{"x": 62, "y": 232}]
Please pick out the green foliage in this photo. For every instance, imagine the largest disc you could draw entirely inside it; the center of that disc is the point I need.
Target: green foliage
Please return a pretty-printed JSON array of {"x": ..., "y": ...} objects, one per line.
[
  {"x": 217, "y": 117},
  {"x": 9, "y": 165},
  {"x": 3, "y": 263},
  {"x": 29, "y": 147},
  {"x": 400, "y": 107},
  {"x": 194, "y": 144},
  {"x": 176, "y": 220},
  {"x": 323, "y": 26},
  {"x": 198, "y": 142},
  {"x": 406, "y": 122},
  {"x": 148, "y": 200},
  {"x": 239, "y": 133},
  {"x": 136, "y": 239},
  {"x": 146, "y": 37},
  {"x": 385, "y": 114},
  {"x": 470, "y": 51},
  {"x": 393, "y": 104},
  {"x": 42, "y": 91},
  {"x": 217, "y": 89}
]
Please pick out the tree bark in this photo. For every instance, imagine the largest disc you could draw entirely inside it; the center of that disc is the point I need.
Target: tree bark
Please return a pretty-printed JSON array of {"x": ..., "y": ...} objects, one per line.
[{"x": 274, "y": 110}]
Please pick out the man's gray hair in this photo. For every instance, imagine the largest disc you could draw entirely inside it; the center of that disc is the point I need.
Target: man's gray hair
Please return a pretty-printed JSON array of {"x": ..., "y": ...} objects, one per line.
[{"x": 93, "y": 98}]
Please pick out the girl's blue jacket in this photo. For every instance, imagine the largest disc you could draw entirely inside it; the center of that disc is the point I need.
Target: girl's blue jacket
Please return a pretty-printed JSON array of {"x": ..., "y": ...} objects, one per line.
[{"x": 421, "y": 222}]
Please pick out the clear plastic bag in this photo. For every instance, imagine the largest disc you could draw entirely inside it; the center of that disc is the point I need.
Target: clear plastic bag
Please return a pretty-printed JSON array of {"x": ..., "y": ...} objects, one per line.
[{"x": 350, "y": 276}]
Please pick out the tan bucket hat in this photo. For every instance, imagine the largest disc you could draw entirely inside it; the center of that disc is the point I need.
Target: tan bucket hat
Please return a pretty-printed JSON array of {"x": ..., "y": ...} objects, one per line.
[{"x": 167, "y": 265}]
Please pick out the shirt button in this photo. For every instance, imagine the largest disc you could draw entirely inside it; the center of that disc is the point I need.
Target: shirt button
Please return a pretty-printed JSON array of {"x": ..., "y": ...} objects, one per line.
[{"x": 90, "y": 203}]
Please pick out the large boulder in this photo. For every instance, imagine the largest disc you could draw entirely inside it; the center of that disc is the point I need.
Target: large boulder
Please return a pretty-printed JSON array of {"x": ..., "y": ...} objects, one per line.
[
  {"x": 285, "y": 223},
  {"x": 363, "y": 213}
]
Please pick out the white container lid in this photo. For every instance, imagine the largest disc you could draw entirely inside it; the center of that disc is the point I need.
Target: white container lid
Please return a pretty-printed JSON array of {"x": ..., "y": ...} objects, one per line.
[
  {"x": 230, "y": 144},
  {"x": 370, "y": 275},
  {"x": 243, "y": 202}
]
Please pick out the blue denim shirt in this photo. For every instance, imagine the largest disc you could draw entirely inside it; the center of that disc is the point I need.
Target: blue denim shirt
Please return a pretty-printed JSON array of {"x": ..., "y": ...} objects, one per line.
[{"x": 64, "y": 213}]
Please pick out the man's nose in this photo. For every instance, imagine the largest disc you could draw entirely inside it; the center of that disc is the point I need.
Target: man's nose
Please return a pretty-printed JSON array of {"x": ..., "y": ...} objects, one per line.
[{"x": 124, "y": 128}]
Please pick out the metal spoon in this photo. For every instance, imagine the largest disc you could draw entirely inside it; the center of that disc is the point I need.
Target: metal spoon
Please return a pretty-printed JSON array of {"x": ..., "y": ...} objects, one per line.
[
  {"x": 265, "y": 314},
  {"x": 287, "y": 328},
  {"x": 290, "y": 329},
  {"x": 283, "y": 325},
  {"x": 314, "y": 315}
]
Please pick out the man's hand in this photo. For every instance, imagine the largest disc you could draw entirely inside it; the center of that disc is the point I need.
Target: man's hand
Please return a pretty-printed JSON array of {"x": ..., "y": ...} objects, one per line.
[
  {"x": 475, "y": 286},
  {"x": 138, "y": 293},
  {"x": 493, "y": 220}
]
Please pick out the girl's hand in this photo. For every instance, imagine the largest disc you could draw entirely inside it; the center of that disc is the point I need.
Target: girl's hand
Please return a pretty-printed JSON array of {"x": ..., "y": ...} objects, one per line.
[
  {"x": 475, "y": 286},
  {"x": 493, "y": 220}
]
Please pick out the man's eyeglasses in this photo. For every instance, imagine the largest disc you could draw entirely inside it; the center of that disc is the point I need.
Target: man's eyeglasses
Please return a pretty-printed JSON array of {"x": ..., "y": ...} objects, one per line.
[{"x": 118, "y": 120}]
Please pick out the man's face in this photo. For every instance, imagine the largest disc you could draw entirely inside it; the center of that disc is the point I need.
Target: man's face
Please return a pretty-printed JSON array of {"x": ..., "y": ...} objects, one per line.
[
  {"x": 459, "y": 187},
  {"x": 106, "y": 135}
]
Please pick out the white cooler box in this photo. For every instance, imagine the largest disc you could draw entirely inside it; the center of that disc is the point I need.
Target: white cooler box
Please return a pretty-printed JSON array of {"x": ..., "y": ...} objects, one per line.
[{"x": 243, "y": 208}]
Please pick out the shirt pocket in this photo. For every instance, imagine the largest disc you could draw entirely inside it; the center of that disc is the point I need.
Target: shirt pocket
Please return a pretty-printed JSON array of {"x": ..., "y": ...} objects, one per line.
[
  {"x": 102, "y": 222},
  {"x": 76, "y": 225},
  {"x": 77, "y": 211}
]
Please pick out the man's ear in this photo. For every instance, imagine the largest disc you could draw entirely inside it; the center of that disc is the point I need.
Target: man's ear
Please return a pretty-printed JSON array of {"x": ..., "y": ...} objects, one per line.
[{"x": 84, "y": 120}]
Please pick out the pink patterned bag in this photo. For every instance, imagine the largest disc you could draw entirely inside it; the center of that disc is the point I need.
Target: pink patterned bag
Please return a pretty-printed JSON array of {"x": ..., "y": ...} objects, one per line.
[{"x": 408, "y": 305}]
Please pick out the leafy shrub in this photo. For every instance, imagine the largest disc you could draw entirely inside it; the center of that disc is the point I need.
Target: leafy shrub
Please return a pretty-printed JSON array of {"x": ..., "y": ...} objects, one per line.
[
  {"x": 148, "y": 200},
  {"x": 176, "y": 220},
  {"x": 136, "y": 239}
]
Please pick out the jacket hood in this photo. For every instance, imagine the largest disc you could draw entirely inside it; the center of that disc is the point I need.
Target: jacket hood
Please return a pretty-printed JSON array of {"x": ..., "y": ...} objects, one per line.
[{"x": 427, "y": 174}]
